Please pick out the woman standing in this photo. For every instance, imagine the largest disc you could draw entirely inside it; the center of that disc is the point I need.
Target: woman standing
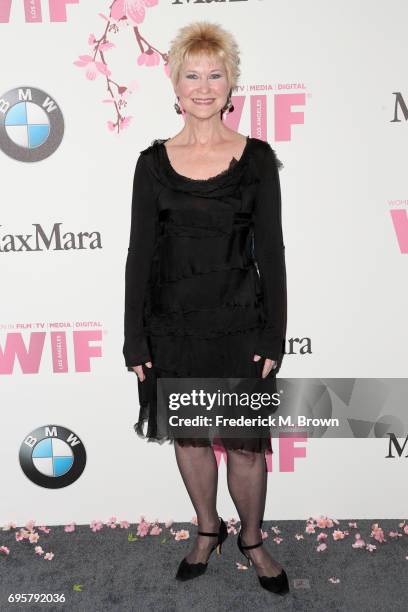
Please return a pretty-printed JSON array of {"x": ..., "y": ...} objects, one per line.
[{"x": 206, "y": 283}]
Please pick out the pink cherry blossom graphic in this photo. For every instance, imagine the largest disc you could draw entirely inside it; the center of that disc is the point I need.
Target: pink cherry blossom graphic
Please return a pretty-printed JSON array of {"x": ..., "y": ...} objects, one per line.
[
  {"x": 95, "y": 63},
  {"x": 132, "y": 9},
  {"x": 149, "y": 58}
]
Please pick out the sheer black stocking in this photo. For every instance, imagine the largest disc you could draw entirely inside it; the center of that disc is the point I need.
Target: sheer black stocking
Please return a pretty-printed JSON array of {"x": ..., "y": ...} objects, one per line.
[
  {"x": 199, "y": 470},
  {"x": 247, "y": 479}
]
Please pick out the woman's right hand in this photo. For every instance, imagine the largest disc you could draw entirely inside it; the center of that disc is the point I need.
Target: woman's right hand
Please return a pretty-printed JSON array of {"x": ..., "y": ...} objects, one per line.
[{"x": 139, "y": 370}]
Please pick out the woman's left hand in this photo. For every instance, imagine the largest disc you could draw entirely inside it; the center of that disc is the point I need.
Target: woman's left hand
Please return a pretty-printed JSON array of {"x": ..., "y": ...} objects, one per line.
[{"x": 269, "y": 365}]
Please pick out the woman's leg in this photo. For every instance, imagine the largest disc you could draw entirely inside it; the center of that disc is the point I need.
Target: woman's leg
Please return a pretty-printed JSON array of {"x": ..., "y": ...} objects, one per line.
[
  {"x": 247, "y": 479},
  {"x": 199, "y": 470}
]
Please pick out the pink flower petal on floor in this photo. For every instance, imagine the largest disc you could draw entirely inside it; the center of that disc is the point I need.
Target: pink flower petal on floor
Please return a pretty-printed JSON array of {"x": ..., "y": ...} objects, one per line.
[
  {"x": 49, "y": 556},
  {"x": 334, "y": 580},
  {"x": 338, "y": 534},
  {"x": 9, "y": 526},
  {"x": 324, "y": 522},
  {"x": 96, "y": 525},
  {"x": 143, "y": 528},
  {"x": 321, "y": 547},
  {"x": 194, "y": 521},
  {"x": 124, "y": 524},
  {"x": 240, "y": 566},
  {"x": 359, "y": 542},
  {"x": 322, "y": 536},
  {"x": 44, "y": 529},
  {"x": 22, "y": 534},
  {"x": 30, "y": 525},
  {"x": 34, "y": 537},
  {"x": 377, "y": 533},
  {"x": 299, "y": 536},
  {"x": 4, "y": 550},
  {"x": 156, "y": 530},
  {"x": 38, "y": 550},
  {"x": 371, "y": 547},
  {"x": 183, "y": 534}
]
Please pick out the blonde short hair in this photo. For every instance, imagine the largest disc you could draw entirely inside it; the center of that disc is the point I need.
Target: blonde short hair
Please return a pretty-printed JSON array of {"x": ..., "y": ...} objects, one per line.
[{"x": 204, "y": 38}]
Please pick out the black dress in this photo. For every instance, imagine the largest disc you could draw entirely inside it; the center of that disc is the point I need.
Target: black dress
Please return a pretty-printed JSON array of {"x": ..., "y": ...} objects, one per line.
[{"x": 205, "y": 285}]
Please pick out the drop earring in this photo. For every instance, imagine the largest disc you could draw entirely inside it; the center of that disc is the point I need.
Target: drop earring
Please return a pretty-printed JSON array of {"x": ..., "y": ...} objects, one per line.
[
  {"x": 228, "y": 106},
  {"x": 177, "y": 107}
]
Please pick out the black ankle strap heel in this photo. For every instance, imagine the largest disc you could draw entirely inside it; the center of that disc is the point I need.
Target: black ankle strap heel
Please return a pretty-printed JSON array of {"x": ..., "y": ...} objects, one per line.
[
  {"x": 187, "y": 571},
  {"x": 275, "y": 584}
]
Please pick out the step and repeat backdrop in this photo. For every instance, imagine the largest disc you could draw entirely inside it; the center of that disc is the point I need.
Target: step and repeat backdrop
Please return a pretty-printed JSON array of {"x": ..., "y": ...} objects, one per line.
[{"x": 84, "y": 88}]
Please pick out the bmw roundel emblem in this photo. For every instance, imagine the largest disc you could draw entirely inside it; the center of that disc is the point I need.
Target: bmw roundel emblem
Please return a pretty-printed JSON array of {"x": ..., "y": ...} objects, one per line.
[
  {"x": 31, "y": 124},
  {"x": 52, "y": 456}
]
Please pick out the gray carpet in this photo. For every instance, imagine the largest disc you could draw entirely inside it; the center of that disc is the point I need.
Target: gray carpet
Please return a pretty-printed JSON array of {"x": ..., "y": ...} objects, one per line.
[{"x": 118, "y": 574}]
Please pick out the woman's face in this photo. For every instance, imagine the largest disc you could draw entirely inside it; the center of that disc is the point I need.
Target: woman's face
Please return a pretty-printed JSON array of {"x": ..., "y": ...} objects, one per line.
[{"x": 202, "y": 87}]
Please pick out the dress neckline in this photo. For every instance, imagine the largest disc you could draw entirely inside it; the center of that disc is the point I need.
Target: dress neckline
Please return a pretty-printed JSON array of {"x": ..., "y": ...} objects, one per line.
[{"x": 232, "y": 167}]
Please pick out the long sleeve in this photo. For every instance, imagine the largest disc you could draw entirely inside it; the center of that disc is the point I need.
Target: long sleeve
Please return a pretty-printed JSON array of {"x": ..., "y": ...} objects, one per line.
[
  {"x": 269, "y": 251},
  {"x": 142, "y": 239}
]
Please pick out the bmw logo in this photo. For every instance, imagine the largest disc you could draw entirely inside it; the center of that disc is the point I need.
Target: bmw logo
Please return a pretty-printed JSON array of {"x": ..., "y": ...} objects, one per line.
[
  {"x": 31, "y": 124},
  {"x": 52, "y": 456}
]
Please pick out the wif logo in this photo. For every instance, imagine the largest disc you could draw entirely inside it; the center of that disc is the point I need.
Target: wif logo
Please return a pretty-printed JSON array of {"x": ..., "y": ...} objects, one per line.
[
  {"x": 33, "y": 10},
  {"x": 63, "y": 346}
]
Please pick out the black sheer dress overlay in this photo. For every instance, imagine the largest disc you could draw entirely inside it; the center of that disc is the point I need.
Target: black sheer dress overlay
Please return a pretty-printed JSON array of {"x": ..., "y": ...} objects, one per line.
[{"x": 205, "y": 280}]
